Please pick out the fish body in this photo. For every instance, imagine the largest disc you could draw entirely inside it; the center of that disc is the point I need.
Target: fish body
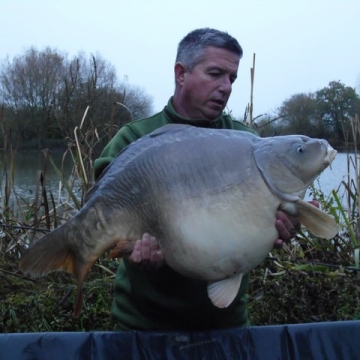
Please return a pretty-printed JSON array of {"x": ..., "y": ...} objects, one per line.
[{"x": 208, "y": 196}]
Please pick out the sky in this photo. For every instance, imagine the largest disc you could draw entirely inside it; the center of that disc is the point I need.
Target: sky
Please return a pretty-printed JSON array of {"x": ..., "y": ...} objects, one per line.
[{"x": 300, "y": 45}]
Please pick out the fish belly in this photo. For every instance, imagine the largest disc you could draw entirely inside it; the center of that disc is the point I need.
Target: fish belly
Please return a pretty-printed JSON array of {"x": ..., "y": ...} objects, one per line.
[{"x": 221, "y": 235}]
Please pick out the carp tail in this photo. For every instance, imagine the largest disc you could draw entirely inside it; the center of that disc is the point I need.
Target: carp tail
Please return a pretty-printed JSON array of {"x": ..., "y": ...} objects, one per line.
[{"x": 52, "y": 252}]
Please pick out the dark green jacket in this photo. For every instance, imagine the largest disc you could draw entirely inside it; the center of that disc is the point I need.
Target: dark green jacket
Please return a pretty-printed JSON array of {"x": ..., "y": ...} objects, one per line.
[{"x": 163, "y": 299}]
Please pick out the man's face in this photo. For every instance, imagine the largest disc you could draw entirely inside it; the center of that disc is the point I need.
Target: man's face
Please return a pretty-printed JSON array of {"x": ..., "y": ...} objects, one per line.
[{"x": 204, "y": 92}]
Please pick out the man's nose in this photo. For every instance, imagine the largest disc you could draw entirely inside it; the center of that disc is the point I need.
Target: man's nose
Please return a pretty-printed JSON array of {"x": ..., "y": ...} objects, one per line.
[{"x": 226, "y": 85}]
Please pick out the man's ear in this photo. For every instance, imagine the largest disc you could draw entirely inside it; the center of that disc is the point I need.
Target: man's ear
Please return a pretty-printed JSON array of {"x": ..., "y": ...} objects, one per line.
[{"x": 179, "y": 73}]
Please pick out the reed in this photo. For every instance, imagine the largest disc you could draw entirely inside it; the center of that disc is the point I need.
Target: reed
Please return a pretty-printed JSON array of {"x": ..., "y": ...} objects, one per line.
[
  {"x": 282, "y": 289},
  {"x": 46, "y": 304}
]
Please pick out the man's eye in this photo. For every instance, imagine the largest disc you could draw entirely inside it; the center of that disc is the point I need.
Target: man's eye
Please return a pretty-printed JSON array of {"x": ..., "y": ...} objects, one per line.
[{"x": 214, "y": 74}]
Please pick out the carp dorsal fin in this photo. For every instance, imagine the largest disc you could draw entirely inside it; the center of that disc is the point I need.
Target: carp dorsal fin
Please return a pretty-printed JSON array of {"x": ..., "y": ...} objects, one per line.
[
  {"x": 315, "y": 220},
  {"x": 223, "y": 292}
]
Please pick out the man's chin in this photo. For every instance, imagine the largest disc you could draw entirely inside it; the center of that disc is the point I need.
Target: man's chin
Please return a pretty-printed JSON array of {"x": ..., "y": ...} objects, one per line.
[{"x": 213, "y": 114}]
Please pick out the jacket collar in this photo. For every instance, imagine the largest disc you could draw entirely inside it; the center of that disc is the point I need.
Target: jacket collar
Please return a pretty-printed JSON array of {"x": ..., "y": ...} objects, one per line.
[{"x": 174, "y": 117}]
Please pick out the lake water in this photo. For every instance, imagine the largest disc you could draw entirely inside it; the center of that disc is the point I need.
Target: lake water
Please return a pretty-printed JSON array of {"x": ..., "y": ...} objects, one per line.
[
  {"x": 26, "y": 168},
  {"x": 332, "y": 177},
  {"x": 28, "y": 164}
]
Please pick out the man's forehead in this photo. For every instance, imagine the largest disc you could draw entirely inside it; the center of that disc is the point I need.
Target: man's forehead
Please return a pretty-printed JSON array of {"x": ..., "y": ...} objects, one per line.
[{"x": 218, "y": 57}]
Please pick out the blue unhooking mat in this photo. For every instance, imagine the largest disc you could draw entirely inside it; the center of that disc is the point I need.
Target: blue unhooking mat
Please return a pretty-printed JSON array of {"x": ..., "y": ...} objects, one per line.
[{"x": 332, "y": 340}]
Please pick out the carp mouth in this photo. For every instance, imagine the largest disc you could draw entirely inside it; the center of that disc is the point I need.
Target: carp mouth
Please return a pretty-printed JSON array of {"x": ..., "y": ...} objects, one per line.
[{"x": 330, "y": 155}]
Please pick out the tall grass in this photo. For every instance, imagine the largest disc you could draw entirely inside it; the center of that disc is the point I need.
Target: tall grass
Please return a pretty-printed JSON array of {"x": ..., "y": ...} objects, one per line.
[
  {"x": 47, "y": 304},
  {"x": 27, "y": 221}
]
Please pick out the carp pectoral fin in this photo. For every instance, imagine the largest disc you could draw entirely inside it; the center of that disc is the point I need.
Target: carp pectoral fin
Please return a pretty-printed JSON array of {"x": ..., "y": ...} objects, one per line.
[
  {"x": 222, "y": 293},
  {"x": 316, "y": 221},
  {"x": 122, "y": 249}
]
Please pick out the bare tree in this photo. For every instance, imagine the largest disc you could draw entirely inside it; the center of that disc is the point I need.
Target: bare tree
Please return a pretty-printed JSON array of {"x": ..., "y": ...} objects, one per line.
[
  {"x": 29, "y": 85},
  {"x": 45, "y": 95},
  {"x": 138, "y": 101}
]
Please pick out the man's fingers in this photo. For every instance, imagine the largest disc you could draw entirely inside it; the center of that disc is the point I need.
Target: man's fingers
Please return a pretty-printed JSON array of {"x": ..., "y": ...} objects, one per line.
[
  {"x": 153, "y": 244},
  {"x": 291, "y": 225},
  {"x": 284, "y": 232},
  {"x": 155, "y": 253},
  {"x": 146, "y": 247},
  {"x": 278, "y": 244},
  {"x": 315, "y": 203},
  {"x": 288, "y": 226},
  {"x": 136, "y": 254},
  {"x": 147, "y": 253}
]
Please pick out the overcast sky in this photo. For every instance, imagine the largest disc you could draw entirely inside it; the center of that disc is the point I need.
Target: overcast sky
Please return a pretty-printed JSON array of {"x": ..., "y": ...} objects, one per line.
[{"x": 300, "y": 45}]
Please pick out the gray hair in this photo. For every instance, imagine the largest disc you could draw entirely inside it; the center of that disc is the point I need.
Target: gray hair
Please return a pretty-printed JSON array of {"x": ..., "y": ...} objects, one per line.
[{"x": 192, "y": 47}]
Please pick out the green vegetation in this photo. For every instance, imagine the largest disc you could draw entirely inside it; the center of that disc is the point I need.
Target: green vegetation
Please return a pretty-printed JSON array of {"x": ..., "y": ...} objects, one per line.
[
  {"x": 46, "y": 304},
  {"x": 310, "y": 279}
]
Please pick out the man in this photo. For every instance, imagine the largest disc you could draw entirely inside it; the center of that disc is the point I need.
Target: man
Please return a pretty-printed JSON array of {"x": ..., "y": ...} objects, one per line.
[{"x": 148, "y": 294}]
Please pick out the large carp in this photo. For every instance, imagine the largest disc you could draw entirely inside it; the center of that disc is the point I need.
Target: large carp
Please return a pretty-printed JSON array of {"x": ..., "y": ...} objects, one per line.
[{"x": 208, "y": 196}]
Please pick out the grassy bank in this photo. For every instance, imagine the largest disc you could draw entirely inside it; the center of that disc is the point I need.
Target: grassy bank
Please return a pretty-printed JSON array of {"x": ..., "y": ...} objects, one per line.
[{"x": 309, "y": 280}]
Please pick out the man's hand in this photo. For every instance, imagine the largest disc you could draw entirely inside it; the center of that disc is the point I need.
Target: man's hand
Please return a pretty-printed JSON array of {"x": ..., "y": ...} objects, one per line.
[
  {"x": 287, "y": 226},
  {"x": 147, "y": 253}
]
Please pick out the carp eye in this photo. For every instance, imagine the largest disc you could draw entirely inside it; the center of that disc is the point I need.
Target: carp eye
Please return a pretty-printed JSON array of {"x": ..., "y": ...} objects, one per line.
[{"x": 299, "y": 148}]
